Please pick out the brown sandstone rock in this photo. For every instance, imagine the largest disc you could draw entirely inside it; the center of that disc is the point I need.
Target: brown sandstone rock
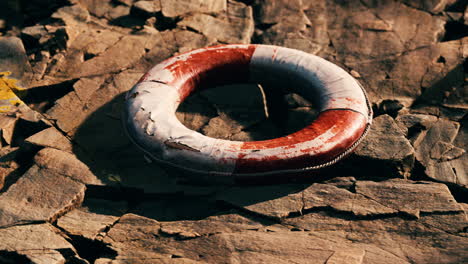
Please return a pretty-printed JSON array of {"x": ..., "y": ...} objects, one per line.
[
  {"x": 386, "y": 145},
  {"x": 40, "y": 243},
  {"x": 250, "y": 246},
  {"x": 39, "y": 195},
  {"x": 51, "y": 187},
  {"x": 51, "y": 138},
  {"x": 436, "y": 152},
  {"x": 174, "y": 8},
  {"x": 13, "y": 59},
  {"x": 235, "y": 26},
  {"x": 94, "y": 217}
]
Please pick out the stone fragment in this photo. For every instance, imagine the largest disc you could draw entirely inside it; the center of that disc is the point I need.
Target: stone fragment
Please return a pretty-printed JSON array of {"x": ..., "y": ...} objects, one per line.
[
  {"x": 7, "y": 127},
  {"x": 124, "y": 53},
  {"x": 444, "y": 151},
  {"x": 314, "y": 197},
  {"x": 221, "y": 128},
  {"x": 410, "y": 124},
  {"x": 13, "y": 59},
  {"x": 70, "y": 111},
  {"x": 438, "y": 233},
  {"x": 51, "y": 138},
  {"x": 185, "y": 40},
  {"x": 85, "y": 87},
  {"x": 444, "y": 83},
  {"x": 273, "y": 12},
  {"x": 272, "y": 201},
  {"x": 8, "y": 164},
  {"x": 99, "y": 8},
  {"x": 285, "y": 16},
  {"x": 35, "y": 32},
  {"x": 459, "y": 164},
  {"x": 71, "y": 15},
  {"x": 222, "y": 223},
  {"x": 117, "y": 12},
  {"x": 175, "y": 8},
  {"x": 148, "y": 7},
  {"x": 43, "y": 245},
  {"x": 39, "y": 195},
  {"x": 434, "y": 150},
  {"x": 411, "y": 198},
  {"x": 386, "y": 146},
  {"x": 94, "y": 217},
  {"x": 432, "y": 6},
  {"x": 236, "y": 26},
  {"x": 66, "y": 164},
  {"x": 389, "y": 107},
  {"x": 51, "y": 187},
  {"x": 291, "y": 24}
]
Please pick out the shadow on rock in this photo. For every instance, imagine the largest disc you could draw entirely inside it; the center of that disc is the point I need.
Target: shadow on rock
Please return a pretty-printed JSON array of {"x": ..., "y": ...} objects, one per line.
[
  {"x": 102, "y": 144},
  {"x": 12, "y": 257}
]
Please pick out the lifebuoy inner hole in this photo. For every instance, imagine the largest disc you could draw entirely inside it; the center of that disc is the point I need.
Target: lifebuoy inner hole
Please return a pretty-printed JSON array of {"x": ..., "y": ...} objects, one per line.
[
  {"x": 246, "y": 112},
  {"x": 224, "y": 73}
]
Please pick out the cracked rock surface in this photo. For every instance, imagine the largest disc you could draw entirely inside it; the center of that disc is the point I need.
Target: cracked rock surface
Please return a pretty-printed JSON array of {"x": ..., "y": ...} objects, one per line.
[{"x": 74, "y": 189}]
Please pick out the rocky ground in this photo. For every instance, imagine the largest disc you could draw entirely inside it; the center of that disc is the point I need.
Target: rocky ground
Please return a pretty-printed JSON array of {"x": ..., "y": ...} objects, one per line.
[{"x": 73, "y": 189}]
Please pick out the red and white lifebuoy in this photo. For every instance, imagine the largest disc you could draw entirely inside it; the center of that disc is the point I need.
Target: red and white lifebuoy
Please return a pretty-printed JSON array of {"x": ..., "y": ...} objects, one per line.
[{"x": 150, "y": 106}]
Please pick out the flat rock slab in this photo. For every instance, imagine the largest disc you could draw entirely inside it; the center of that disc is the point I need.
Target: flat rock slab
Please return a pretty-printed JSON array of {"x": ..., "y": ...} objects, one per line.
[
  {"x": 413, "y": 198},
  {"x": 51, "y": 187},
  {"x": 440, "y": 234},
  {"x": 442, "y": 160},
  {"x": 51, "y": 138},
  {"x": 280, "y": 246},
  {"x": 39, "y": 195},
  {"x": 385, "y": 149},
  {"x": 92, "y": 218},
  {"x": 13, "y": 59},
  {"x": 38, "y": 244},
  {"x": 366, "y": 199}
]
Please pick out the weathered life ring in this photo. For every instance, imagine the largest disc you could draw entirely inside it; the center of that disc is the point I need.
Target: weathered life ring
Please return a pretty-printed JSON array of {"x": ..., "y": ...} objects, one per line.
[{"x": 150, "y": 121}]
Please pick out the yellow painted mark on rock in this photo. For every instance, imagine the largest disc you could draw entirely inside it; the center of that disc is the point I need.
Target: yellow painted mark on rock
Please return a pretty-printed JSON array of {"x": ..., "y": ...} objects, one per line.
[{"x": 9, "y": 92}]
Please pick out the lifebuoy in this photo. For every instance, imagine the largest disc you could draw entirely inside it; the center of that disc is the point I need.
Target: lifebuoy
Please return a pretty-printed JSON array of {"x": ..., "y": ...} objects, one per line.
[{"x": 150, "y": 121}]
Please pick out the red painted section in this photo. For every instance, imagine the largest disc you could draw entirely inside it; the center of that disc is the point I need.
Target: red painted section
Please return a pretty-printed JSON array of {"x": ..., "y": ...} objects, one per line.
[
  {"x": 347, "y": 126},
  {"x": 214, "y": 66}
]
